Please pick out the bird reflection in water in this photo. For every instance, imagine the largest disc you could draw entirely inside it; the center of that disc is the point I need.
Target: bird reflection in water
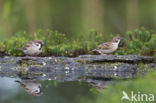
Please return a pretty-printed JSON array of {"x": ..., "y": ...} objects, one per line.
[{"x": 32, "y": 87}]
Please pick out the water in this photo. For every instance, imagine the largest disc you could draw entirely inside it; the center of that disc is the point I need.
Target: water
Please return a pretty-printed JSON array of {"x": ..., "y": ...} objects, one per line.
[
  {"x": 65, "y": 80},
  {"x": 52, "y": 92}
]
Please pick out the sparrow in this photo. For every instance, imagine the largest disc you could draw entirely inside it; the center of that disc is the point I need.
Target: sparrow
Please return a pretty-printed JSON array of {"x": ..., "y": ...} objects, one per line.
[
  {"x": 32, "y": 48},
  {"x": 31, "y": 87},
  {"x": 108, "y": 47}
]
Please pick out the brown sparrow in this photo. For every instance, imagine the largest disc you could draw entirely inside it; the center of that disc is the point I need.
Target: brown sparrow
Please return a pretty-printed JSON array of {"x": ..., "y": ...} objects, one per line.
[
  {"x": 108, "y": 47},
  {"x": 32, "y": 48},
  {"x": 31, "y": 87}
]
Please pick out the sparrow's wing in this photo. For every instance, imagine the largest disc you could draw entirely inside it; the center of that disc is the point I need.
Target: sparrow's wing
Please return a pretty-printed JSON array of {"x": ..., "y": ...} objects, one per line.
[
  {"x": 29, "y": 44},
  {"x": 107, "y": 45},
  {"x": 21, "y": 83}
]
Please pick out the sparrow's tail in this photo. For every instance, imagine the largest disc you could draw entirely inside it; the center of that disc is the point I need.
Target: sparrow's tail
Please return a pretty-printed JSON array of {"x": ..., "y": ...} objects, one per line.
[
  {"x": 92, "y": 50},
  {"x": 20, "y": 49},
  {"x": 18, "y": 81}
]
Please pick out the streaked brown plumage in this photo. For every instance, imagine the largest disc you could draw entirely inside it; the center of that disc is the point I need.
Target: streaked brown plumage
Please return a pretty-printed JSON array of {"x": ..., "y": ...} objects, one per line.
[
  {"x": 31, "y": 87},
  {"x": 32, "y": 48},
  {"x": 108, "y": 47}
]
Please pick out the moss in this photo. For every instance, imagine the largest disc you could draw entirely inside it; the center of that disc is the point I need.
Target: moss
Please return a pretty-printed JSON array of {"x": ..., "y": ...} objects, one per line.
[
  {"x": 24, "y": 63},
  {"x": 140, "y": 42},
  {"x": 8, "y": 62},
  {"x": 23, "y": 74}
]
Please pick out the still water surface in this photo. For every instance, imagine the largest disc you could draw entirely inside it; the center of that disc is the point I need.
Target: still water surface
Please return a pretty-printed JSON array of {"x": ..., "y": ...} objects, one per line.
[{"x": 52, "y": 92}]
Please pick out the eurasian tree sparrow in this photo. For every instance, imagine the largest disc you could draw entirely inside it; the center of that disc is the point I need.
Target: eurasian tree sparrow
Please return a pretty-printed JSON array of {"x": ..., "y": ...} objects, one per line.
[
  {"x": 108, "y": 47},
  {"x": 31, "y": 87},
  {"x": 32, "y": 48}
]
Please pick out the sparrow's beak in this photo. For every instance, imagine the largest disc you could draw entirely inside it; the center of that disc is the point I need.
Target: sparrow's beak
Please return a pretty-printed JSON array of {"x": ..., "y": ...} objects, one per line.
[
  {"x": 121, "y": 44},
  {"x": 43, "y": 43}
]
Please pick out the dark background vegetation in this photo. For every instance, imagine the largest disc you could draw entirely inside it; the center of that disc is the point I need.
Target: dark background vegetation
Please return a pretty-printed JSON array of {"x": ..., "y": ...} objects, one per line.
[{"x": 74, "y": 16}]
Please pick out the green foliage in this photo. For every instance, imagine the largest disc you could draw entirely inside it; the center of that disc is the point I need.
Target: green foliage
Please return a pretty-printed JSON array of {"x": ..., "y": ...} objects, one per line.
[
  {"x": 140, "y": 42},
  {"x": 11, "y": 46},
  {"x": 56, "y": 43},
  {"x": 144, "y": 85}
]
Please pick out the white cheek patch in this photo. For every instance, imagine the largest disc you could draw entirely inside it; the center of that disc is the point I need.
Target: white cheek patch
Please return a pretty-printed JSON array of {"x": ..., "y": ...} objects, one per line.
[{"x": 37, "y": 46}]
